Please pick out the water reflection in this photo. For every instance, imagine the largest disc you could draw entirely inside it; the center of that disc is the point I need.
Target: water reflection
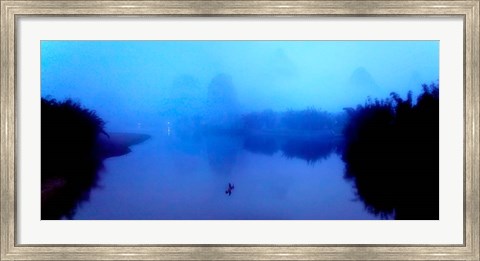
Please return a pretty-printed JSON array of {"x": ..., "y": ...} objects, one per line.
[
  {"x": 310, "y": 149},
  {"x": 222, "y": 151},
  {"x": 266, "y": 145},
  {"x": 180, "y": 183}
]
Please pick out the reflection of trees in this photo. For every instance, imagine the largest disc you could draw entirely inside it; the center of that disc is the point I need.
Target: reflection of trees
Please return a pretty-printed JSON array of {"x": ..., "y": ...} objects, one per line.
[
  {"x": 222, "y": 153},
  {"x": 310, "y": 149},
  {"x": 69, "y": 164},
  {"x": 261, "y": 144},
  {"x": 308, "y": 134},
  {"x": 391, "y": 154}
]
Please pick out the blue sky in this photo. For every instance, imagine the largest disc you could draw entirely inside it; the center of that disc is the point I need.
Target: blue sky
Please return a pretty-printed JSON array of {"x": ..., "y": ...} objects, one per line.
[{"x": 124, "y": 79}]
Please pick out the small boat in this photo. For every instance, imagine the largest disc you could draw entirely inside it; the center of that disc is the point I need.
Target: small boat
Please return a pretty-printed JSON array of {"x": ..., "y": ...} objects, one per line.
[{"x": 229, "y": 189}]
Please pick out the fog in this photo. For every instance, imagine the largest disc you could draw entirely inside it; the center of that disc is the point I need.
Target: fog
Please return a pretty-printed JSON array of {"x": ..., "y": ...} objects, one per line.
[
  {"x": 134, "y": 84},
  {"x": 194, "y": 130}
]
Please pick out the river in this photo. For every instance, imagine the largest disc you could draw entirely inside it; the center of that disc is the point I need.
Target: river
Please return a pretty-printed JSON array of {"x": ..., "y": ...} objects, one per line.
[{"x": 186, "y": 177}]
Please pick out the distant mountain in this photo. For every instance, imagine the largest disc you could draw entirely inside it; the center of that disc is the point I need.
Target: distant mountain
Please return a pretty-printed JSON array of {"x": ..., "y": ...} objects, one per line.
[
  {"x": 362, "y": 79},
  {"x": 361, "y": 85},
  {"x": 281, "y": 64}
]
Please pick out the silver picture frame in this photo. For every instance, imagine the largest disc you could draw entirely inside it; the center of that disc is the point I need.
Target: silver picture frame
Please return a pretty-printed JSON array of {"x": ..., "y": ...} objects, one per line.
[{"x": 11, "y": 11}]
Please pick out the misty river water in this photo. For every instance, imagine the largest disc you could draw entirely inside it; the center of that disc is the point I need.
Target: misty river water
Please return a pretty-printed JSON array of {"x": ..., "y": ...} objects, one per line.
[
  {"x": 302, "y": 129},
  {"x": 173, "y": 177}
]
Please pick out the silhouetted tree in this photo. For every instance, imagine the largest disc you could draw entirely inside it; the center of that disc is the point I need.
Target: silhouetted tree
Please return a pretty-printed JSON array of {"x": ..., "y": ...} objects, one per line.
[
  {"x": 69, "y": 164},
  {"x": 307, "y": 120},
  {"x": 392, "y": 155}
]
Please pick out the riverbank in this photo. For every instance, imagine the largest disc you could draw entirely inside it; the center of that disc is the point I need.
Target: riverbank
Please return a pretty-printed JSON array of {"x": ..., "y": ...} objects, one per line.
[{"x": 107, "y": 145}]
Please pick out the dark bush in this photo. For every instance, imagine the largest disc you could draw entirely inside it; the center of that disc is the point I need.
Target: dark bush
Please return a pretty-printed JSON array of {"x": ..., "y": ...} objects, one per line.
[
  {"x": 68, "y": 137},
  {"x": 392, "y": 155},
  {"x": 307, "y": 120}
]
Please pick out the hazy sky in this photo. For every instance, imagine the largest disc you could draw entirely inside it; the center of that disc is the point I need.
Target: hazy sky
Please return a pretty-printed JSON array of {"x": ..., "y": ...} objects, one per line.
[{"x": 125, "y": 79}]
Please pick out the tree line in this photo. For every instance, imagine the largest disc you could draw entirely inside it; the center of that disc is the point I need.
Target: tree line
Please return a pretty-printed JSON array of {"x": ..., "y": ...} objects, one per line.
[{"x": 392, "y": 154}]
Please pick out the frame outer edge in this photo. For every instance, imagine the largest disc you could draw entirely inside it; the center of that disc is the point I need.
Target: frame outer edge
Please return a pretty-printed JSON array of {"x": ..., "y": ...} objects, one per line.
[
  {"x": 7, "y": 133},
  {"x": 475, "y": 71},
  {"x": 9, "y": 250},
  {"x": 471, "y": 64},
  {"x": 239, "y": 8}
]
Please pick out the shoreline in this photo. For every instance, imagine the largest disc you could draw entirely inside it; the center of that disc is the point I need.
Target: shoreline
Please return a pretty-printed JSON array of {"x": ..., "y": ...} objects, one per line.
[{"x": 107, "y": 145}]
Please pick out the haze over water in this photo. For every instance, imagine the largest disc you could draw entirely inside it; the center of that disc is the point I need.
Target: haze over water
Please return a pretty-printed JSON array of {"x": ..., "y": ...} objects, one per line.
[{"x": 190, "y": 96}]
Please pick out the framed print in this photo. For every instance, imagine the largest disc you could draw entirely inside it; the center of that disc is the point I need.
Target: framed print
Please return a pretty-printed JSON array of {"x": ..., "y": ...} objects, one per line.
[{"x": 223, "y": 130}]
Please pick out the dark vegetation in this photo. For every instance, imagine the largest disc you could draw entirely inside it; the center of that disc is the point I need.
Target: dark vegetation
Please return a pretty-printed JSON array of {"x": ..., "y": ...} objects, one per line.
[
  {"x": 392, "y": 155},
  {"x": 308, "y": 134},
  {"x": 69, "y": 162},
  {"x": 309, "y": 119}
]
